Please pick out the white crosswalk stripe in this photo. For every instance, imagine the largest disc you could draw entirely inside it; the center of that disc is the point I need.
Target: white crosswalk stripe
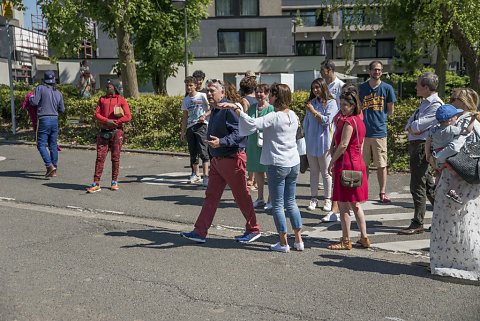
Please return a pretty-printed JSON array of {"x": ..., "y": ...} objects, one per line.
[{"x": 384, "y": 221}]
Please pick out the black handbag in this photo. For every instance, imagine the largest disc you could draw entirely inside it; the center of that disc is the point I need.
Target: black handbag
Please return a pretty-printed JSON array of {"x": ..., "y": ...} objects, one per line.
[
  {"x": 107, "y": 133},
  {"x": 351, "y": 178},
  {"x": 465, "y": 162}
]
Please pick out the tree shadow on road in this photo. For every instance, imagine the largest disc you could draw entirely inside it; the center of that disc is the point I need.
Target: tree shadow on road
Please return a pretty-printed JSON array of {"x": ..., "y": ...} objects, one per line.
[
  {"x": 23, "y": 174},
  {"x": 166, "y": 239},
  {"x": 371, "y": 265},
  {"x": 190, "y": 200},
  {"x": 75, "y": 187}
]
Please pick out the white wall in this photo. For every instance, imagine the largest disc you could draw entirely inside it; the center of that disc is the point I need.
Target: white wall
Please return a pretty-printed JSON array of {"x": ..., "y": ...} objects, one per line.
[
  {"x": 215, "y": 68},
  {"x": 4, "y": 72}
]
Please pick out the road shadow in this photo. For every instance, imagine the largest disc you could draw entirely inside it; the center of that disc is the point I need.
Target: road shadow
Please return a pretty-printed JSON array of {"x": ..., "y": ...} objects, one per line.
[
  {"x": 191, "y": 200},
  {"x": 74, "y": 187},
  {"x": 23, "y": 174},
  {"x": 166, "y": 239},
  {"x": 364, "y": 264}
]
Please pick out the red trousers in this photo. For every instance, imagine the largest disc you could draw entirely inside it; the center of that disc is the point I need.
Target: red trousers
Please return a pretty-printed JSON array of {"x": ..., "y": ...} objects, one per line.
[
  {"x": 103, "y": 145},
  {"x": 225, "y": 171}
]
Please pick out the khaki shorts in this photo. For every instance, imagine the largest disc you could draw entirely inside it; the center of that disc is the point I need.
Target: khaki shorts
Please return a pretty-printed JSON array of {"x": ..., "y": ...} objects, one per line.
[{"x": 377, "y": 147}]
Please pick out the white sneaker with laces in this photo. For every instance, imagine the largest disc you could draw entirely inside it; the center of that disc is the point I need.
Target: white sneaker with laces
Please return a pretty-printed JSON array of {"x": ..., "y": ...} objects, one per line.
[
  {"x": 331, "y": 217},
  {"x": 280, "y": 248},
  {"x": 195, "y": 179},
  {"x": 327, "y": 206},
  {"x": 299, "y": 246},
  {"x": 268, "y": 206},
  {"x": 313, "y": 204}
]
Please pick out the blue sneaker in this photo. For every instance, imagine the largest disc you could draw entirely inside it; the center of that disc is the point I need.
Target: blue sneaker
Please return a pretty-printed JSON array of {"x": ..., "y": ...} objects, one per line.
[
  {"x": 193, "y": 236},
  {"x": 249, "y": 237}
]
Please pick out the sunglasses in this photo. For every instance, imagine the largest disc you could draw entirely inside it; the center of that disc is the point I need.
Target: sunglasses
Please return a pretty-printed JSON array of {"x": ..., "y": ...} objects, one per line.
[{"x": 215, "y": 81}]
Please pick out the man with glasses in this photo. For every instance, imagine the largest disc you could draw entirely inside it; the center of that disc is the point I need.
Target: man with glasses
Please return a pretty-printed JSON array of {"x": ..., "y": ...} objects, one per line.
[
  {"x": 227, "y": 166},
  {"x": 419, "y": 123},
  {"x": 378, "y": 99}
]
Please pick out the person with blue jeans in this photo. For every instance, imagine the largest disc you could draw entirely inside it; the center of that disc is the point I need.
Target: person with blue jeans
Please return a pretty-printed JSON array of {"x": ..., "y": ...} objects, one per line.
[
  {"x": 280, "y": 155},
  {"x": 49, "y": 102}
]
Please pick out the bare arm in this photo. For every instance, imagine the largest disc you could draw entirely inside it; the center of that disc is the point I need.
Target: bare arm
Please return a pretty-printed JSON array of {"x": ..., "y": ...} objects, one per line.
[
  {"x": 469, "y": 128},
  {"x": 390, "y": 109},
  {"x": 245, "y": 104},
  {"x": 340, "y": 149},
  {"x": 184, "y": 125}
]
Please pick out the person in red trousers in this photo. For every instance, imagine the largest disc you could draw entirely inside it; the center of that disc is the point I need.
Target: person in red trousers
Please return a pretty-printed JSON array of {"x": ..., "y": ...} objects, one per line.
[{"x": 112, "y": 112}]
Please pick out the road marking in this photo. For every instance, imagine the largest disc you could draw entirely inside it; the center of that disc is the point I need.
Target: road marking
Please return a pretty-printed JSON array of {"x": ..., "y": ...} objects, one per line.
[
  {"x": 2, "y": 158},
  {"x": 376, "y": 231},
  {"x": 410, "y": 247},
  {"x": 6, "y": 199},
  {"x": 167, "y": 179}
]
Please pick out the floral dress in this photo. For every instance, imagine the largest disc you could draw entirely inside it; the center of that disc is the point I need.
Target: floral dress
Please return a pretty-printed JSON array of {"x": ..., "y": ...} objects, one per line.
[{"x": 455, "y": 237}]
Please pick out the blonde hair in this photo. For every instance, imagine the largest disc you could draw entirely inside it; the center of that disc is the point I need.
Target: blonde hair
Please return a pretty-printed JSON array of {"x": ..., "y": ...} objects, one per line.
[{"x": 469, "y": 97}]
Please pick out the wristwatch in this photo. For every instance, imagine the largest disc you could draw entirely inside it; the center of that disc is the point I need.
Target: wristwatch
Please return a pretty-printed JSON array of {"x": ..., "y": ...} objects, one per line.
[{"x": 236, "y": 108}]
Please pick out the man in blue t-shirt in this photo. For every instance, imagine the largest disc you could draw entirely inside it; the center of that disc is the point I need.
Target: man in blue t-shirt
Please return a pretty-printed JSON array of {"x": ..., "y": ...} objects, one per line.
[{"x": 378, "y": 99}]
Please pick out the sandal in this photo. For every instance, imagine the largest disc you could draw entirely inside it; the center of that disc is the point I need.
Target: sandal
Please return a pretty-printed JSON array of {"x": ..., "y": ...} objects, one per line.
[
  {"x": 365, "y": 242},
  {"x": 342, "y": 245}
]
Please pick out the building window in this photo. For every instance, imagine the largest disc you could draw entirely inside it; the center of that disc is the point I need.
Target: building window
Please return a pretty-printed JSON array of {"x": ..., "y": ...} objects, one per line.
[
  {"x": 314, "y": 48},
  {"x": 376, "y": 49},
  {"x": 233, "y": 8},
  {"x": 360, "y": 17},
  {"x": 310, "y": 18},
  {"x": 242, "y": 42}
]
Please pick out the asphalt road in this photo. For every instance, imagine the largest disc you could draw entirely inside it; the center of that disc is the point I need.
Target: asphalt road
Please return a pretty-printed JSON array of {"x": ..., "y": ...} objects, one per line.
[{"x": 68, "y": 255}]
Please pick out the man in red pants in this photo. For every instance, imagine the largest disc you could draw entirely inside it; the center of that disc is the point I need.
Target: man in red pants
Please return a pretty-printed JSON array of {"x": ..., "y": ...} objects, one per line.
[
  {"x": 109, "y": 115},
  {"x": 227, "y": 148}
]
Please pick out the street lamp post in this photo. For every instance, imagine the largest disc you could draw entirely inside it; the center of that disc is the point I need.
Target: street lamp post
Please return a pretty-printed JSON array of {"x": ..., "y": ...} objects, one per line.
[{"x": 181, "y": 4}]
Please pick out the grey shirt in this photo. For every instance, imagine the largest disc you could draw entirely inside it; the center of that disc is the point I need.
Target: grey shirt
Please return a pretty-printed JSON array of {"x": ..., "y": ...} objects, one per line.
[{"x": 424, "y": 117}]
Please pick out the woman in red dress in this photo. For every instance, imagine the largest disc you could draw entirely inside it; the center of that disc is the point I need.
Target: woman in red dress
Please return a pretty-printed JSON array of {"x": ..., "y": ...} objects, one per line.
[{"x": 346, "y": 154}]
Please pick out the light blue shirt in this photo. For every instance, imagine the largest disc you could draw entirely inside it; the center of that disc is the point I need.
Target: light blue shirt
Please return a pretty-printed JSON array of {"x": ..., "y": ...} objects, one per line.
[
  {"x": 318, "y": 136},
  {"x": 424, "y": 117}
]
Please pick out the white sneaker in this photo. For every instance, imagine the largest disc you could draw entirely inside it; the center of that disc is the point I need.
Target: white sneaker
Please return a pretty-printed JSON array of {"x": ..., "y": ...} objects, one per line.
[
  {"x": 280, "y": 248},
  {"x": 327, "y": 206},
  {"x": 205, "y": 181},
  {"x": 227, "y": 188},
  {"x": 352, "y": 213},
  {"x": 299, "y": 246},
  {"x": 313, "y": 204},
  {"x": 268, "y": 206},
  {"x": 320, "y": 185},
  {"x": 258, "y": 203},
  {"x": 331, "y": 217},
  {"x": 195, "y": 179}
]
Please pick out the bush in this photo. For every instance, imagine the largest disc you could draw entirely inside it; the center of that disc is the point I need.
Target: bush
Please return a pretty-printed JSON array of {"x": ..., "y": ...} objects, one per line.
[{"x": 156, "y": 121}]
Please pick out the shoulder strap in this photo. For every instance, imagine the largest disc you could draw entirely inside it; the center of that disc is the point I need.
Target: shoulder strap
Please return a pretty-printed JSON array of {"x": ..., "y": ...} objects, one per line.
[{"x": 358, "y": 142}]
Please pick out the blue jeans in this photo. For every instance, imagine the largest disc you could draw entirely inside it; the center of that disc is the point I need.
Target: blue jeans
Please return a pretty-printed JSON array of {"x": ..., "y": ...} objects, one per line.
[
  {"x": 47, "y": 132},
  {"x": 282, "y": 183}
]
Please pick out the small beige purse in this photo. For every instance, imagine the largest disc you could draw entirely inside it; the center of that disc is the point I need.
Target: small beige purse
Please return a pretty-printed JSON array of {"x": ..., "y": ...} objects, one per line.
[{"x": 351, "y": 178}]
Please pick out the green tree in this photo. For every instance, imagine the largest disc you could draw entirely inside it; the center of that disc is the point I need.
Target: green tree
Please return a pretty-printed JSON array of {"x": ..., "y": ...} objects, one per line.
[
  {"x": 419, "y": 24},
  {"x": 68, "y": 22},
  {"x": 159, "y": 39}
]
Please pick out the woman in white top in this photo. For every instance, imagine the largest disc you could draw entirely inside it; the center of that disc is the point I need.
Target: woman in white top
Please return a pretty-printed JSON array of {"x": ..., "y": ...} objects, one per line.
[{"x": 280, "y": 155}]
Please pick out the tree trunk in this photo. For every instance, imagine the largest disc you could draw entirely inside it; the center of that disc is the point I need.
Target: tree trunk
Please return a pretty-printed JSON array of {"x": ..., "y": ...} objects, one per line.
[
  {"x": 441, "y": 64},
  {"x": 472, "y": 58},
  {"x": 126, "y": 59},
  {"x": 159, "y": 82}
]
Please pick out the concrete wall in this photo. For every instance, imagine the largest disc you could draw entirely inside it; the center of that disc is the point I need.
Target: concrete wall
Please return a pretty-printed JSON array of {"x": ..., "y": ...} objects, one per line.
[
  {"x": 106, "y": 47},
  {"x": 217, "y": 68},
  {"x": 279, "y": 36},
  {"x": 4, "y": 72},
  {"x": 270, "y": 7}
]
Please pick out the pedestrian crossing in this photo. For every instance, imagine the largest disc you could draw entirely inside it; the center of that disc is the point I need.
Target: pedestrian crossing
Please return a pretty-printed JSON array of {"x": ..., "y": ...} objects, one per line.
[{"x": 384, "y": 221}]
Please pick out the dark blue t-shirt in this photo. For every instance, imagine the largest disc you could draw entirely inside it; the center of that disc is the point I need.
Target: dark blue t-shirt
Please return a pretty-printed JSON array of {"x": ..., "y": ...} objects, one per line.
[{"x": 374, "y": 103}]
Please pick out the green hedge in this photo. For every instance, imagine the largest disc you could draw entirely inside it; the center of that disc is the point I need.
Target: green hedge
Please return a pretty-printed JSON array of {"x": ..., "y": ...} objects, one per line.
[{"x": 156, "y": 121}]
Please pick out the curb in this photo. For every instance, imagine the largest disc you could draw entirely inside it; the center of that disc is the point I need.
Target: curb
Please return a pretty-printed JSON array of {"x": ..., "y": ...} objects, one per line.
[{"x": 86, "y": 147}]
